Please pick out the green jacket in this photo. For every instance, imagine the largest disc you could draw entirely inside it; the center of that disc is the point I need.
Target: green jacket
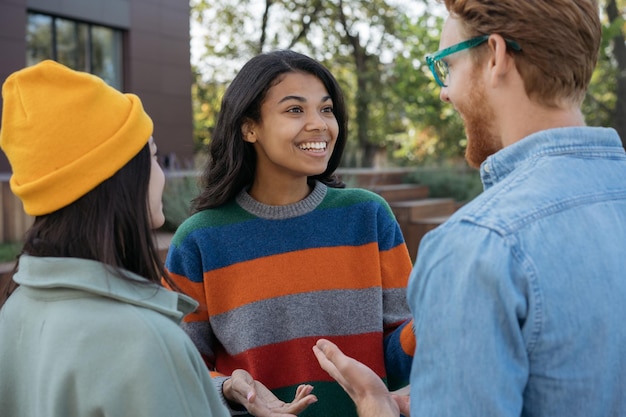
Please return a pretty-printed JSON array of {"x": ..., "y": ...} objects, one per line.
[{"x": 75, "y": 340}]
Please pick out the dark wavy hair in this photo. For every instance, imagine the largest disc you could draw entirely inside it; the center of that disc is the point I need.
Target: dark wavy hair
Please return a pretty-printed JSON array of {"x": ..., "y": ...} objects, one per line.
[
  {"x": 232, "y": 161},
  {"x": 110, "y": 224}
]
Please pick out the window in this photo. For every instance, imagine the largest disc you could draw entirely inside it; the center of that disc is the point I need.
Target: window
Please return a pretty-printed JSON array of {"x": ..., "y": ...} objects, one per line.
[{"x": 81, "y": 46}]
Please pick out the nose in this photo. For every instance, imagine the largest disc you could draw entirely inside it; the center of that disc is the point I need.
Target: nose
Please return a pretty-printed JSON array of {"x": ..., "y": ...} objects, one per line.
[
  {"x": 317, "y": 122},
  {"x": 443, "y": 95}
]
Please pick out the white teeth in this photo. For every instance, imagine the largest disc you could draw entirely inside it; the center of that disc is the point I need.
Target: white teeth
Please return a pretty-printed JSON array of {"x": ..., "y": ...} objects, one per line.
[{"x": 315, "y": 146}]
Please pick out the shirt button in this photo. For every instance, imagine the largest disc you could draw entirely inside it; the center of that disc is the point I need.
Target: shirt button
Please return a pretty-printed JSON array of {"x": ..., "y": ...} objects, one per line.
[{"x": 486, "y": 167}]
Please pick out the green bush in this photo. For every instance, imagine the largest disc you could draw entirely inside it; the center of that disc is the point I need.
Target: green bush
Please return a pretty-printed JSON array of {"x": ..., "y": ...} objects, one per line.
[
  {"x": 9, "y": 251},
  {"x": 180, "y": 188},
  {"x": 459, "y": 182}
]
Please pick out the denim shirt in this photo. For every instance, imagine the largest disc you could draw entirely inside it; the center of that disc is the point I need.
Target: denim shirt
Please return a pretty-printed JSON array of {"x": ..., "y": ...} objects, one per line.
[{"x": 519, "y": 299}]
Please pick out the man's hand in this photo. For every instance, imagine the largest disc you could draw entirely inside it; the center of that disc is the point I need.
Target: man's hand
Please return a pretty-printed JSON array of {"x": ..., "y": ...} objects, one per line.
[
  {"x": 367, "y": 390},
  {"x": 241, "y": 388}
]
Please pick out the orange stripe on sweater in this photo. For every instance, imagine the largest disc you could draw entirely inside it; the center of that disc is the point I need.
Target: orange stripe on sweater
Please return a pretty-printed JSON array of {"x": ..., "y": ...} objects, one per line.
[
  {"x": 397, "y": 266},
  {"x": 407, "y": 339},
  {"x": 344, "y": 267},
  {"x": 194, "y": 290}
]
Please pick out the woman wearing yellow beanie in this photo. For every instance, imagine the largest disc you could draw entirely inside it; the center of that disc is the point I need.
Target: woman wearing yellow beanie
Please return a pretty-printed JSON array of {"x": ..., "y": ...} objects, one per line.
[{"x": 90, "y": 330}]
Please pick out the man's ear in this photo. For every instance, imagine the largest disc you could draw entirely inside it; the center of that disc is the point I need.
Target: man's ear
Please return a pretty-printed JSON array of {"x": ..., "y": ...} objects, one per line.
[
  {"x": 500, "y": 62},
  {"x": 247, "y": 131}
]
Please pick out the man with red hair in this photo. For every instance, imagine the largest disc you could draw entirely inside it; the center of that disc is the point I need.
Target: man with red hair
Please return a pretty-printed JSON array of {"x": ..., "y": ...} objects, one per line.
[{"x": 518, "y": 299}]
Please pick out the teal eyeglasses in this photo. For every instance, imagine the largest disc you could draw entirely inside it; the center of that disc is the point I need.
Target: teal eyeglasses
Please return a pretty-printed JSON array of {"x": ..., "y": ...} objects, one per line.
[{"x": 439, "y": 68}]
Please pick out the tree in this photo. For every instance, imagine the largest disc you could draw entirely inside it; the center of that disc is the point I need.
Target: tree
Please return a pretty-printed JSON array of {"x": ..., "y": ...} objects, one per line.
[
  {"x": 349, "y": 36},
  {"x": 376, "y": 50},
  {"x": 206, "y": 95},
  {"x": 432, "y": 130},
  {"x": 605, "y": 103}
]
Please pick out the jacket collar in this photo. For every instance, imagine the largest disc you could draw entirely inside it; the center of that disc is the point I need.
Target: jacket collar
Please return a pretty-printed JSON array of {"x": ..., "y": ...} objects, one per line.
[{"x": 94, "y": 277}]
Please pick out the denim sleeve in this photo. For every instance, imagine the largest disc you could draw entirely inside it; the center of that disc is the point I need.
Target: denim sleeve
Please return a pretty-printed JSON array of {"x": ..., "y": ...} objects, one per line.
[{"x": 470, "y": 303}]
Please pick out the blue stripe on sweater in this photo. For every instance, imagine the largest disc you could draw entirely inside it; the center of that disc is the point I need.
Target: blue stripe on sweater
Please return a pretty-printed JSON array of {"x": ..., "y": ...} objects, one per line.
[{"x": 229, "y": 235}]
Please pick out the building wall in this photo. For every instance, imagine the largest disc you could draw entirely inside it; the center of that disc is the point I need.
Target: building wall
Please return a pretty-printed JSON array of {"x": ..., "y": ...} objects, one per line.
[
  {"x": 12, "y": 36},
  {"x": 156, "y": 57},
  {"x": 160, "y": 71},
  {"x": 115, "y": 13}
]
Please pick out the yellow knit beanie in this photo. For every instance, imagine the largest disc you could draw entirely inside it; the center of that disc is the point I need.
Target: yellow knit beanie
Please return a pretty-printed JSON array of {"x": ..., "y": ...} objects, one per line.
[{"x": 65, "y": 132}]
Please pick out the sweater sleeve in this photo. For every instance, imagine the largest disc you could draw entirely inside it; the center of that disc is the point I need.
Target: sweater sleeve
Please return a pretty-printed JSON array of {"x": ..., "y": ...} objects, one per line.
[
  {"x": 399, "y": 341},
  {"x": 399, "y": 348},
  {"x": 184, "y": 265}
]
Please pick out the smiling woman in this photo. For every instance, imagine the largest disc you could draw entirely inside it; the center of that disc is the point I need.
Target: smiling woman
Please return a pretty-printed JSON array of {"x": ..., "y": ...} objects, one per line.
[
  {"x": 270, "y": 254},
  {"x": 293, "y": 139}
]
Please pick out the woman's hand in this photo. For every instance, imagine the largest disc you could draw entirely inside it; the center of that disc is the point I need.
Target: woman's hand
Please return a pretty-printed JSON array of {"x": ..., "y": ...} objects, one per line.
[
  {"x": 367, "y": 390},
  {"x": 404, "y": 403},
  {"x": 241, "y": 388}
]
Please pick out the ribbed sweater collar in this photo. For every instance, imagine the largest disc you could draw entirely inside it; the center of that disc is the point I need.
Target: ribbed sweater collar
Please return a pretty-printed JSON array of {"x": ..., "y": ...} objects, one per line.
[{"x": 300, "y": 208}]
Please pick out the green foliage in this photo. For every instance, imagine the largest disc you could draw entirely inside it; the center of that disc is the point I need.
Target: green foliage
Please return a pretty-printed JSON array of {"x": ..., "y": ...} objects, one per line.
[
  {"x": 452, "y": 181},
  {"x": 432, "y": 130},
  {"x": 180, "y": 188},
  {"x": 376, "y": 50},
  {"x": 600, "y": 99},
  {"x": 206, "y": 96},
  {"x": 9, "y": 251},
  {"x": 358, "y": 41},
  {"x": 605, "y": 103}
]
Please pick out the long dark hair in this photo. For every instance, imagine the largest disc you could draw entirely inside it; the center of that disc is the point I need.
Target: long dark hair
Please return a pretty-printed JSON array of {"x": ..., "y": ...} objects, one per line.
[
  {"x": 232, "y": 161},
  {"x": 110, "y": 224}
]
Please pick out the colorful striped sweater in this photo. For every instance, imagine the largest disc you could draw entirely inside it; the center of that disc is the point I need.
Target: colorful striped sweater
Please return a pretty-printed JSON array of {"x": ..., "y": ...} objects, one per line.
[{"x": 271, "y": 280}]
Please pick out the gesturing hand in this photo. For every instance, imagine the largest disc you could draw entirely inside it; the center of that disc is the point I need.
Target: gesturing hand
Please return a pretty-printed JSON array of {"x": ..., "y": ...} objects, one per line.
[
  {"x": 241, "y": 388},
  {"x": 366, "y": 389}
]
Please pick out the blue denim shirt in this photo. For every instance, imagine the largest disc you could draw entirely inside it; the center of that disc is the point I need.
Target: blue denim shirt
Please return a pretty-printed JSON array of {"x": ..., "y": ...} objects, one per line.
[{"x": 519, "y": 298}]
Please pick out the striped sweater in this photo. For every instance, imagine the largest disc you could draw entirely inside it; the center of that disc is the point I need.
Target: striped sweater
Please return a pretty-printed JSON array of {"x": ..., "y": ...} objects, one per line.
[{"x": 271, "y": 280}]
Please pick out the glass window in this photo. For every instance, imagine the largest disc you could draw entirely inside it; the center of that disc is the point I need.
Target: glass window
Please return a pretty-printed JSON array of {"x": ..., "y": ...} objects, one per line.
[
  {"x": 38, "y": 38},
  {"x": 71, "y": 44},
  {"x": 106, "y": 54},
  {"x": 79, "y": 45}
]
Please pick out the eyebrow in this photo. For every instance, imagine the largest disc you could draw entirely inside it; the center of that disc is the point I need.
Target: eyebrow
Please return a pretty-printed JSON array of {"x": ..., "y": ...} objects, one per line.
[{"x": 302, "y": 99}]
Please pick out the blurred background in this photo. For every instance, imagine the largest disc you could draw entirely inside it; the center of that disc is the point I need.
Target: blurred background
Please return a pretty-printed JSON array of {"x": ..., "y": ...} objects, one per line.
[{"x": 179, "y": 57}]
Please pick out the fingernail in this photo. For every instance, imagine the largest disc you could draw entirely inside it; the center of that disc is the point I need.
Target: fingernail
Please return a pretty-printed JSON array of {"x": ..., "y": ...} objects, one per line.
[{"x": 249, "y": 395}]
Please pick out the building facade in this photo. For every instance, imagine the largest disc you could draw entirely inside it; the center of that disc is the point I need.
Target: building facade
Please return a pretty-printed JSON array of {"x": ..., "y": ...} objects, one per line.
[{"x": 137, "y": 46}]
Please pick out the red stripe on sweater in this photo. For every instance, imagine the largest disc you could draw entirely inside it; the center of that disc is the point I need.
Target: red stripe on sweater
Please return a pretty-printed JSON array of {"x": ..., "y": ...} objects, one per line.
[{"x": 367, "y": 348}]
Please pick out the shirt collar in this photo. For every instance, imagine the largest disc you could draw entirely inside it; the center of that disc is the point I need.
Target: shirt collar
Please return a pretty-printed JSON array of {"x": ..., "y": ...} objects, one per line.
[{"x": 548, "y": 142}]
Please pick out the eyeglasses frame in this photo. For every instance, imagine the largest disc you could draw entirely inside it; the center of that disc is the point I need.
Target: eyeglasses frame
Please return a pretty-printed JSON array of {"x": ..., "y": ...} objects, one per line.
[{"x": 432, "y": 59}]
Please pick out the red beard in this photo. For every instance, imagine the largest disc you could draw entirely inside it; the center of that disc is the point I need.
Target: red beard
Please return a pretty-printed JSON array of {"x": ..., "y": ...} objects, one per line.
[{"x": 478, "y": 118}]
